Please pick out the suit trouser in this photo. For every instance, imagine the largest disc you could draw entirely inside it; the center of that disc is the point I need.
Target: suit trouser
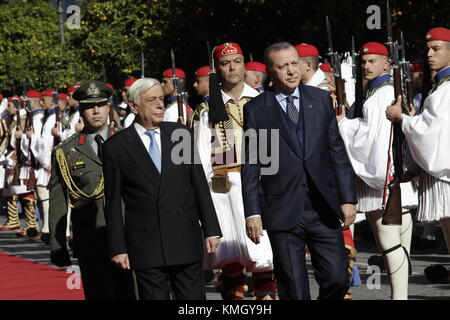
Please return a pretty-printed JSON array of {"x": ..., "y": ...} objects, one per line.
[
  {"x": 104, "y": 281},
  {"x": 324, "y": 238},
  {"x": 185, "y": 281}
]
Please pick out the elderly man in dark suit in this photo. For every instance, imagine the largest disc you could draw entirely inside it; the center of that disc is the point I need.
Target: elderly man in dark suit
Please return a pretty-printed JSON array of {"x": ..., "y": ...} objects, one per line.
[
  {"x": 168, "y": 210},
  {"x": 312, "y": 192}
]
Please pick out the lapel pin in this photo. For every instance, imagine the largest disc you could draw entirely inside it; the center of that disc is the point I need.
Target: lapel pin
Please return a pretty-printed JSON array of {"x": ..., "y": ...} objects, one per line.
[{"x": 310, "y": 106}]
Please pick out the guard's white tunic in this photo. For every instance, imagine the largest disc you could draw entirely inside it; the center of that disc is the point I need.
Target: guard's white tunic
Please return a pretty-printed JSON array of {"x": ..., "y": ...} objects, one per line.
[
  {"x": 367, "y": 142},
  {"x": 428, "y": 136},
  {"x": 171, "y": 112},
  {"x": 235, "y": 246}
]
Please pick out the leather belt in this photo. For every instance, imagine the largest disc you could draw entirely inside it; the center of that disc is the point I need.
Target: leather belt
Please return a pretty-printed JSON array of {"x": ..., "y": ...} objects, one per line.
[{"x": 224, "y": 171}]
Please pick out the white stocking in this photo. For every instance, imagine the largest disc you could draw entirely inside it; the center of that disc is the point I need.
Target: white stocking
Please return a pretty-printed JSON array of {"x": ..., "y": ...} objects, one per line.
[
  {"x": 388, "y": 237},
  {"x": 406, "y": 231},
  {"x": 43, "y": 196},
  {"x": 445, "y": 225}
]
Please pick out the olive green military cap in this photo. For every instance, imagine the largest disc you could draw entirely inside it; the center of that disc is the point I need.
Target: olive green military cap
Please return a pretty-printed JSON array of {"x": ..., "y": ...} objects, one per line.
[{"x": 93, "y": 91}]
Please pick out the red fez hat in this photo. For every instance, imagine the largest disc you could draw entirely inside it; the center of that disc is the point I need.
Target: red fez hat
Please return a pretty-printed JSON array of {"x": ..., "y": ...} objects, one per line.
[
  {"x": 130, "y": 82},
  {"x": 307, "y": 50},
  {"x": 48, "y": 93},
  {"x": 10, "y": 99},
  {"x": 255, "y": 66},
  {"x": 202, "y": 72},
  {"x": 73, "y": 88},
  {"x": 442, "y": 34},
  {"x": 62, "y": 96},
  {"x": 416, "y": 67},
  {"x": 326, "y": 67},
  {"x": 374, "y": 48},
  {"x": 178, "y": 72},
  {"x": 33, "y": 94},
  {"x": 110, "y": 85},
  {"x": 1, "y": 96},
  {"x": 227, "y": 49}
]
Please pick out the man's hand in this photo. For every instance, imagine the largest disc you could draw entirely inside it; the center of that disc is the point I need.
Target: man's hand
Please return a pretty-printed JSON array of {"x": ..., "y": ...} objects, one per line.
[
  {"x": 121, "y": 261},
  {"x": 342, "y": 115},
  {"x": 79, "y": 125},
  {"x": 254, "y": 229},
  {"x": 349, "y": 214},
  {"x": 212, "y": 244},
  {"x": 408, "y": 176},
  {"x": 394, "y": 111},
  {"x": 55, "y": 132},
  {"x": 18, "y": 134},
  {"x": 29, "y": 133}
]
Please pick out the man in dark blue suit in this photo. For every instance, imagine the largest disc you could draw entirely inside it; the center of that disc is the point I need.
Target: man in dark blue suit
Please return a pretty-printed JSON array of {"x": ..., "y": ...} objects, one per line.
[{"x": 312, "y": 195}]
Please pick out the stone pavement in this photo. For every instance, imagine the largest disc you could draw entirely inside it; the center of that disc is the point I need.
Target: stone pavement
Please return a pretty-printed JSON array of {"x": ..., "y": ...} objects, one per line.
[{"x": 419, "y": 288}]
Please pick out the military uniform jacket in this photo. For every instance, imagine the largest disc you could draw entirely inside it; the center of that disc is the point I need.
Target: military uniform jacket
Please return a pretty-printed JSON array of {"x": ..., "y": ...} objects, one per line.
[{"x": 77, "y": 180}]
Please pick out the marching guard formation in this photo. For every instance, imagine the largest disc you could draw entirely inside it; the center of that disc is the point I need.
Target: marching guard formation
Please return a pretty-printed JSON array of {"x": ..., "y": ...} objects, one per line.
[{"x": 354, "y": 136}]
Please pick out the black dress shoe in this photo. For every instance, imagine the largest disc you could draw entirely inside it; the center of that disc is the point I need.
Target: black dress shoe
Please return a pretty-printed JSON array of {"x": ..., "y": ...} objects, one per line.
[
  {"x": 436, "y": 274},
  {"x": 45, "y": 238}
]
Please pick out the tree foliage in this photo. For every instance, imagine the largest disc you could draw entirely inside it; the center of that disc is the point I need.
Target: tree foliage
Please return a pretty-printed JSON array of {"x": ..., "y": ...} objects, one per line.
[{"x": 113, "y": 34}]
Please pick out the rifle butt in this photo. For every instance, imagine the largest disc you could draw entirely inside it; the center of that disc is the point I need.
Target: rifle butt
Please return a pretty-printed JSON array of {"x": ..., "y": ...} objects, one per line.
[
  {"x": 31, "y": 181},
  {"x": 392, "y": 214}
]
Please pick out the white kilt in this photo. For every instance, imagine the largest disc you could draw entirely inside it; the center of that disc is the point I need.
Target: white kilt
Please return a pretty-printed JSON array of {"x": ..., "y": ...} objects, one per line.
[
  {"x": 434, "y": 198},
  {"x": 235, "y": 246}
]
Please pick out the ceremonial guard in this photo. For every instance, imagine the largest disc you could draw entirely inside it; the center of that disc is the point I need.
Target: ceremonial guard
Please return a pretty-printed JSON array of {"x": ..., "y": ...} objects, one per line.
[
  {"x": 73, "y": 122},
  {"x": 428, "y": 135},
  {"x": 219, "y": 142},
  {"x": 171, "y": 113},
  {"x": 77, "y": 181},
  {"x": 367, "y": 141},
  {"x": 201, "y": 86},
  {"x": 15, "y": 178},
  {"x": 255, "y": 75},
  {"x": 130, "y": 117},
  {"x": 309, "y": 60},
  {"x": 41, "y": 145}
]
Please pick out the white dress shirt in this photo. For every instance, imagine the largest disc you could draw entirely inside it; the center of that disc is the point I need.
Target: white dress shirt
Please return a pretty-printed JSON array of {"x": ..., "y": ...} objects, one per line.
[{"x": 146, "y": 139}]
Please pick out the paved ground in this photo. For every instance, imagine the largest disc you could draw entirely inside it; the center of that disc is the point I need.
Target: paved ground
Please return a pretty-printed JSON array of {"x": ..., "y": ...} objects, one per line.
[{"x": 419, "y": 288}]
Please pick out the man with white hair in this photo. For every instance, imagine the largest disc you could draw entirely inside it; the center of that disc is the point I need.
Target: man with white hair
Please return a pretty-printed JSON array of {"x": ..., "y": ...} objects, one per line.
[
  {"x": 168, "y": 216},
  {"x": 255, "y": 75}
]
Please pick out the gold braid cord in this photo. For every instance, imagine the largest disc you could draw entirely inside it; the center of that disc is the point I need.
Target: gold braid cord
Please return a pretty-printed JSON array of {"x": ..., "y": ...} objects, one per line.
[{"x": 76, "y": 193}]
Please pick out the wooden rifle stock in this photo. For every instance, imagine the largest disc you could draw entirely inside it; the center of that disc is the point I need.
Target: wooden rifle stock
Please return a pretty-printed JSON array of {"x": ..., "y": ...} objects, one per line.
[
  {"x": 180, "y": 109},
  {"x": 112, "y": 120},
  {"x": 340, "y": 96},
  {"x": 32, "y": 181},
  {"x": 392, "y": 214},
  {"x": 16, "y": 177}
]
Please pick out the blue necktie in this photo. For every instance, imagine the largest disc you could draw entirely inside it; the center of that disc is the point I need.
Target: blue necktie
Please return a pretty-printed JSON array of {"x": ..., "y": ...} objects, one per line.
[{"x": 154, "y": 149}]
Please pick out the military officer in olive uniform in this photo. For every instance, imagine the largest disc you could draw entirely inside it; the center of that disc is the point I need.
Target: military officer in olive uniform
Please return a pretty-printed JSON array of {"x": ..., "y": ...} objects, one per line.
[{"x": 77, "y": 180}]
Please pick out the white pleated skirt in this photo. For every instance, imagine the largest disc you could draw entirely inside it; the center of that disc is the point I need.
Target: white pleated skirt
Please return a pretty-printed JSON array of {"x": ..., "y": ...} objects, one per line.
[
  {"x": 369, "y": 199},
  {"x": 235, "y": 246},
  {"x": 434, "y": 198}
]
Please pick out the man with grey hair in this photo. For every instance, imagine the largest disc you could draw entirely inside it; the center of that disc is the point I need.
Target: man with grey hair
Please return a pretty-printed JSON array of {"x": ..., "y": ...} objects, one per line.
[
  {"x": 312, "y": 195},
  {"x": 168, "y": 215}
]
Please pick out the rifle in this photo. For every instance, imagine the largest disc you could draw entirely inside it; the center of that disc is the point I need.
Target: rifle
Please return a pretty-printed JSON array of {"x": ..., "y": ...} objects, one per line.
[
  {"x": 406, "y": 74},
  {"x": 357, "y": 76},
  {"x": 16, "y": 177},
  {"x": 176, "y": 87},
  {"x": 392, "y": 210},
  {"x": 29, "y": 126},
  {"x": 57, "y": 114},
  {"x": 335, "y": 58},
  {"x": 217, "y": 111}
]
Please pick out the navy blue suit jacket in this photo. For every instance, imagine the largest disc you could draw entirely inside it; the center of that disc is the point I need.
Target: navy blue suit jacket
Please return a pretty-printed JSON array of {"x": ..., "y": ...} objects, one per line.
[{"x": 280, "y": 198}]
